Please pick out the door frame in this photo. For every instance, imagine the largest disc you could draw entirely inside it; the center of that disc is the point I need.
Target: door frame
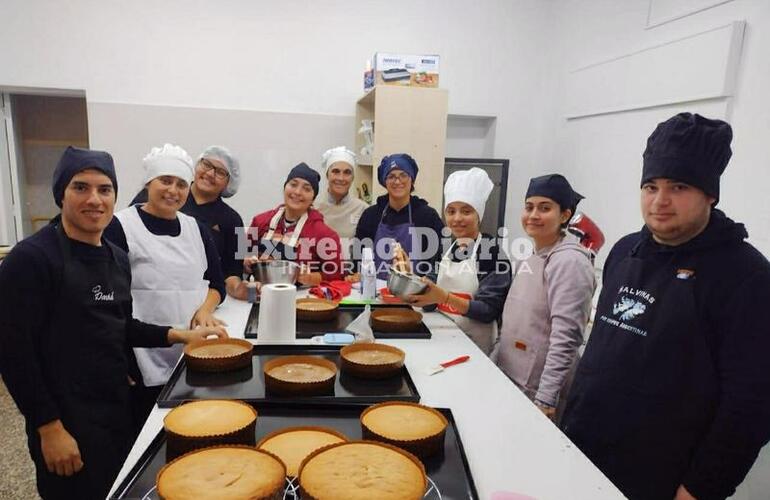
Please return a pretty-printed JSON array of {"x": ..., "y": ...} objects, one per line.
[
  {"x": 9, "y": 169},
  {"x": 503, "y": 164}
]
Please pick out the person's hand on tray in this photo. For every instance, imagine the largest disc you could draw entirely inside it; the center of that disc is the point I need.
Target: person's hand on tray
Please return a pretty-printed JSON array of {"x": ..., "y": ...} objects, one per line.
[
  {"x": 176, "y": 336},
  {"x": 353, "y": 278}
]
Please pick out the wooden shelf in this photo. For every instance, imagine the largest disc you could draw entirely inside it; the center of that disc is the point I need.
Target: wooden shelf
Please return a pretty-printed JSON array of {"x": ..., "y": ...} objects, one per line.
[{"x": 408, "y": 120}]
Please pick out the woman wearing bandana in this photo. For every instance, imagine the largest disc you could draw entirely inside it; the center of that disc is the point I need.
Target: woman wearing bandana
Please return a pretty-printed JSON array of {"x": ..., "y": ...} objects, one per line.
[
  {"x": 390, "y": 223},
  {"x": 549, "y": 302}
]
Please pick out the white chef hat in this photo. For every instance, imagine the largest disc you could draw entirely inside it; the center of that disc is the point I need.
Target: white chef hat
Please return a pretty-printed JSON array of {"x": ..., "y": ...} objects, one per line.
[
  {"x": 468, "y": 186},
  {"x": 168, "y": 160},
  {"x": 340, "y": 153}
]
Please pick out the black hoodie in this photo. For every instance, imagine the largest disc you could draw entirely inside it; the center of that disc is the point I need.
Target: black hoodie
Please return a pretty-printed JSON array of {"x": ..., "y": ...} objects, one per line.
[{"x": 732, "y": 297}]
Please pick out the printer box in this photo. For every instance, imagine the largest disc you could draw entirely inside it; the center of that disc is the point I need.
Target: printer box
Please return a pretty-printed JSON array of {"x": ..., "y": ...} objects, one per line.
[{"x": 406, "y": 69}]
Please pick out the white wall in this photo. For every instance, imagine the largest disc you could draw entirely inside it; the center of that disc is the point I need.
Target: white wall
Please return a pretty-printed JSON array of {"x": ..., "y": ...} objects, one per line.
[
  {"x": 602, "y": 154},
  {"x": 289, "y": 57}
]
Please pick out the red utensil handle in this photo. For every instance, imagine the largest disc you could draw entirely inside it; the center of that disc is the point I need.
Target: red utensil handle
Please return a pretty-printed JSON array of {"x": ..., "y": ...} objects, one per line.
[{"x": 456, "y": 361}]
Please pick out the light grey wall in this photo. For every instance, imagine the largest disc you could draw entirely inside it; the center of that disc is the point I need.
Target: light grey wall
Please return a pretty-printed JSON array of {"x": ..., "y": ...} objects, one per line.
[
  {"x": 293, "y": 56},
  {"x": 267, "y": 144},
  {"x": 470, "y": 136},
  {"x": 602, "y": 155}
]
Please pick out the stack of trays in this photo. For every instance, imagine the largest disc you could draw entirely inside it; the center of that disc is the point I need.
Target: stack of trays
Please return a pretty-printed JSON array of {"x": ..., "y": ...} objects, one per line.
[{"x": 319, "y": 410}]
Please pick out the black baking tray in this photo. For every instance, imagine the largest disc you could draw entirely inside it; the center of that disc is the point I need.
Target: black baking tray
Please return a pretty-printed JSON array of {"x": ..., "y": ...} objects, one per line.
[
  {"x": 449, "y": 469},
  {"x": 248, "y": 383},
  {"x": 347, "y": 313}
]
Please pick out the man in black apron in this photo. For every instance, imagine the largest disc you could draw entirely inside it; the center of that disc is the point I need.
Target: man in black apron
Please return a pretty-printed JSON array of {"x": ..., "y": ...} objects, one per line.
[
  {"x": 672, "y": 396},
  {"x": 65, "y": 327}
]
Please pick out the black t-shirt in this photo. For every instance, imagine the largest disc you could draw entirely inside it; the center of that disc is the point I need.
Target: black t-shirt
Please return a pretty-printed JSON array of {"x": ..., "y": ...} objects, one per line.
[{"x": 30, "y": 284}]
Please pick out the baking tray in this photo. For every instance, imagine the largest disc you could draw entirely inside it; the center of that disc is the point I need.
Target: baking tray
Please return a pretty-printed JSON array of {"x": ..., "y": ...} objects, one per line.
[
  {"x": 347, "y": 313},
  {"x": 448, "y": 470},
  {"x": 248, "y": 384}
]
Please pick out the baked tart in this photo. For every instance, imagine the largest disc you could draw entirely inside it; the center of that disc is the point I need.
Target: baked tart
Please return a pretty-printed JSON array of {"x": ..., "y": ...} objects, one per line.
[
  {"x": 207, "y": 423},
  {"x": 299, "y": 375},
  {"x": 362, "y": 470},
  {"x": 223, "y": 473},
  {"x": 293, "y": 444},
  {"x": 416, "y": 428},
  {"x": 395, "y": 319},
  {"x": 218, "y": 355},
  {"x": 371, "y": 360},
  {"x": 312, "y": 309}
]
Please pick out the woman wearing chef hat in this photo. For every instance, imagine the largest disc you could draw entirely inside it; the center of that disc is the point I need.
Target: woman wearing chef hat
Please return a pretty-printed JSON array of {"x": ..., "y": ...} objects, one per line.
[
  {"x": 340, "y": 209},
  {"x": 474, "y": 274},
  {"x": 549, "y": 303},
  {"x": 217, "y": 176},
  {"x": 176, "y": 273}
]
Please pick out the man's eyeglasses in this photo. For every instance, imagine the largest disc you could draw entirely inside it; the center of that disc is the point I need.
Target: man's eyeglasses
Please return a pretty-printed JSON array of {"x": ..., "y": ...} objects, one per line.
[
  {"x": 219, "y": 173},
  {"x": 393, "y": 178}
]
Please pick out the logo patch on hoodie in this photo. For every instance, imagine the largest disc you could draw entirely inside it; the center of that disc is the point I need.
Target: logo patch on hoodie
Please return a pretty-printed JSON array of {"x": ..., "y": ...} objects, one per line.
[
  {"x": 628, "y": 308},
  {"x": 685, "y": 274},
  {"x": 630, "y": 304}
]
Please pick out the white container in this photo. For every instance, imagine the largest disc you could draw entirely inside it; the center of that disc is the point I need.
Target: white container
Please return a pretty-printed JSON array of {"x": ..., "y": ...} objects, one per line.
[
  {"x": 251, "y": 287},
  {"x": 368, "y": 275}
]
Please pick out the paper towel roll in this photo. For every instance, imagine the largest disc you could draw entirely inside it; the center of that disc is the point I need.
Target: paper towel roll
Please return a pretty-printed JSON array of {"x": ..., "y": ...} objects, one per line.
[{"x": 277, "y": 314}]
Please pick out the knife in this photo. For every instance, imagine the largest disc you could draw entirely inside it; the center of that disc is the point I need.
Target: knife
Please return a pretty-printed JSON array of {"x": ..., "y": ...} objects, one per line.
[{"x": 432, "y": 370}]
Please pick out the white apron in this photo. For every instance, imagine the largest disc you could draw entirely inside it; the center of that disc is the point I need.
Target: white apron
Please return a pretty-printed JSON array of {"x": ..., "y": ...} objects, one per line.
[
  {"x": 167, "y": 285},
  {"x": 284, "y": 239},
  {"x": 462, "y": 278}
]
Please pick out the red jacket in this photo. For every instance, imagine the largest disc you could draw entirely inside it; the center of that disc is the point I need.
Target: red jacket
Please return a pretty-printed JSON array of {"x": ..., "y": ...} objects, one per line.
[{"x": 314, "y": 231}]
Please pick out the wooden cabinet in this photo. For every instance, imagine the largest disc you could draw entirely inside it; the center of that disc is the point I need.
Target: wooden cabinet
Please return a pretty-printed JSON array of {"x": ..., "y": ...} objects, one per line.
[{"x": 406, "y": 120}]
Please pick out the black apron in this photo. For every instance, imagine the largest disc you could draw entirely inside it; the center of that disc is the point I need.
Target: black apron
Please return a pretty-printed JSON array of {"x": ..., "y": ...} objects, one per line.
[
  {"x": 646, "y": 388},
  {"x": 86, "y": 372}
]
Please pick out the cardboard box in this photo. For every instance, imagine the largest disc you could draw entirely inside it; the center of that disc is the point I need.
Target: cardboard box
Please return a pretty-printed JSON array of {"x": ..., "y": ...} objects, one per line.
[{"x": 406, "y": 69}]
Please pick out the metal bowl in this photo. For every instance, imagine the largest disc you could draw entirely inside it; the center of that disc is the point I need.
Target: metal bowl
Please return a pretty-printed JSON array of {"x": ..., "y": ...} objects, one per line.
[
  {"x": 275, "y": 272},
  {"x": 403, "y": 284}
]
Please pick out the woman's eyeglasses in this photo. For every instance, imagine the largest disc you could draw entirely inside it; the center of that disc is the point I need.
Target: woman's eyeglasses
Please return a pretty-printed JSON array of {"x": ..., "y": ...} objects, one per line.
[
  {"x": 393, "y": 178},
  {"x": 219, "y": 173}
]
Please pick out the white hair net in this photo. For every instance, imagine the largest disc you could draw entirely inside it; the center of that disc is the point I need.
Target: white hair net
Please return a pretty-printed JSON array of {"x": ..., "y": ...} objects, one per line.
[{"x": 231, "y": 164}]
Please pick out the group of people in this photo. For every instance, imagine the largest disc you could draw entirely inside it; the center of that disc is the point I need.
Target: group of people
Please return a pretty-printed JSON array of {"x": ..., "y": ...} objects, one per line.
[{"x": 669, "y": 400}]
